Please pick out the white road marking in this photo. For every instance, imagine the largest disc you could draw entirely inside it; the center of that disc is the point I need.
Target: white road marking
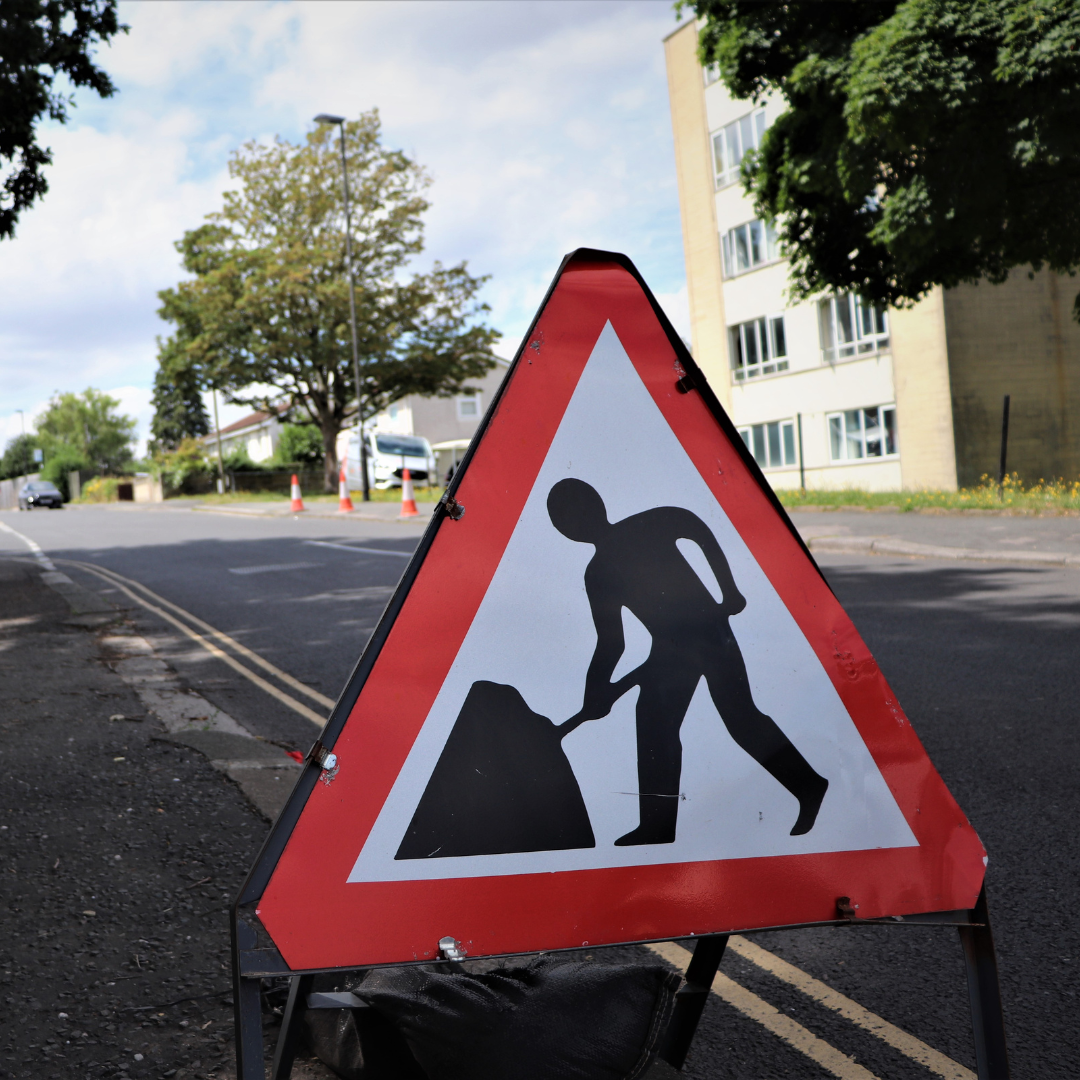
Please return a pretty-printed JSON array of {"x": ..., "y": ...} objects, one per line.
[
  {"x": 750, "y": 1005},
  {"x": 43, "y": 560},
  {"x": 823, "y": 994},
  {"x": 365, "y": 550},
  {"x": 273, "y": 568}
]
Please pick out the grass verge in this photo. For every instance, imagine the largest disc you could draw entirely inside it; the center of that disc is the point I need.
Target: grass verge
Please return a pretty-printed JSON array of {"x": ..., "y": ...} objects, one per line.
[{"x": 1044, "y": 497}]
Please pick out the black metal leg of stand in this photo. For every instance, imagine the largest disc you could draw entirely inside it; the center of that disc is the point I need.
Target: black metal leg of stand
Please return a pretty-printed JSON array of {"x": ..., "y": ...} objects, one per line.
[
  {"x": 690, "y": 1000},
  {"x": 249, "y": 1037},
  {"x": 299, "y": 988},
  {"x": 987, "y": 1018}
]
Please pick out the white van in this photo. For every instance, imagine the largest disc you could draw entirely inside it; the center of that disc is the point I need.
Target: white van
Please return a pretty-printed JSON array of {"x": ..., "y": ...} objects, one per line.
[{"x": 388, "y": 455}]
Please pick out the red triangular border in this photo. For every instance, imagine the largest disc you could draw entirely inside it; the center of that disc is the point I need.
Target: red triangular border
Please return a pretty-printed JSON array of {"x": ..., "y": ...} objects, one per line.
[{"x": 317, "y": 920}]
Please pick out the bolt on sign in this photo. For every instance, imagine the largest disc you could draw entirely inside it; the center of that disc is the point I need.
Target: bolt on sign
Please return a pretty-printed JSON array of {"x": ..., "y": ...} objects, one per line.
[{"x": 612, "y": 700}]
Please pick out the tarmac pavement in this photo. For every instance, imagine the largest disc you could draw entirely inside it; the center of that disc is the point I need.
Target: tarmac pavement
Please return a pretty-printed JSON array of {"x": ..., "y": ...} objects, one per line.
[{"x": 122, "y": 846}]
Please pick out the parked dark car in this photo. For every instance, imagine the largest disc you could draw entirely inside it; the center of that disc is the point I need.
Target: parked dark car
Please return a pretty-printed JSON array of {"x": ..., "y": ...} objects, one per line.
[{"x": 39, "y": 493}]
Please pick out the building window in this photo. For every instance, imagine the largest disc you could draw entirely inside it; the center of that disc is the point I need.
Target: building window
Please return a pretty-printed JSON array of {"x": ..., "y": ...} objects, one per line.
[
  {"x": 732, "y": 143},
  {"x": 851, "y": 326},
  {"x": 758, "y": 347},
  {"x": 859, "y": 434},
  {"x": 468, "y": 407},
  {"x": 712, "y": 74},
  {"x": 747, "y": 247},
  {"x": 772, "y": 445}
]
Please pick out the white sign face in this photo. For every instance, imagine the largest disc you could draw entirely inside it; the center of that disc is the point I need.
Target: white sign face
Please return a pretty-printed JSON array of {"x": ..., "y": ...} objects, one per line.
[{"x": 536, "y": 632}]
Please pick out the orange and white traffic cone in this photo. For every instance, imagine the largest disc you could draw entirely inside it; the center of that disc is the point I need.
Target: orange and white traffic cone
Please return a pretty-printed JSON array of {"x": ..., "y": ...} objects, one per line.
[
  {"x": 297, "y": 501},
  {"x": 344, "y": 502},
  {"x": 408, "y": 500}
]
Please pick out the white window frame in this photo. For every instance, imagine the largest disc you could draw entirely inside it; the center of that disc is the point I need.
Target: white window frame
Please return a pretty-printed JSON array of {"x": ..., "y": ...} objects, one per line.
[
  {"x": 765, "y": 338},
  {"x": 469, "y": 399},
  {"x": 851, "y": 327},
  {"x": 711, "y": 73},
  {"x": 748, "y": 247},
  {"x": 856, "y": 436},
  {"x": 732, "y": 143},
  {"x": 772, "y": 444}
]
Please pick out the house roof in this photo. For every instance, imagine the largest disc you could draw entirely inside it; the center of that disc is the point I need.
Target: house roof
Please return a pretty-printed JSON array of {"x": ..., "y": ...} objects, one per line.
[{"x": 254, "y": 419}]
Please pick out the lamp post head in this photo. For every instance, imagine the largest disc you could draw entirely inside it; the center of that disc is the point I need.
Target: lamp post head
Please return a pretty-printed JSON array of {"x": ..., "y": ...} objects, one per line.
[{"x": 326, "y": 118}]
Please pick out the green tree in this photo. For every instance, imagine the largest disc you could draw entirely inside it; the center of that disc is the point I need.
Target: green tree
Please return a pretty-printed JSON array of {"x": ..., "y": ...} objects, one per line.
[
  {"x": 18, "y": 459},
  {"x": 60, "y": 463},
  {"x": 86, "y": 427},
  {"x": 924, "y": 142},
  {"x": 179, "y": 412},
  {"x": 299, "y": 444},
  {"x": 268, "y": 302},
  {"x": 40, "y": 42}
]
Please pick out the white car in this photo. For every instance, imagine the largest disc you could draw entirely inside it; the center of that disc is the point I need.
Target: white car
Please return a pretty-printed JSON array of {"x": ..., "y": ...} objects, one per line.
[{"x": 388, "y": 456}]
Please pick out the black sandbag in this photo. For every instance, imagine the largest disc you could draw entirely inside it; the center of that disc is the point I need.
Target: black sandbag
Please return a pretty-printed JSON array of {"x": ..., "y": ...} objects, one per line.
[
  {"x": 551, "y": 1020},
  {"x": 359, "y": 1044},
  {"x": 502, "y": 783}
]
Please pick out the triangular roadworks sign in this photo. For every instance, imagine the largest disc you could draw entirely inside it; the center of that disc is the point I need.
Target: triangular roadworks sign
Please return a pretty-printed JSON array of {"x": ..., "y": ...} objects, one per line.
[{"x": 614, "y": 699}]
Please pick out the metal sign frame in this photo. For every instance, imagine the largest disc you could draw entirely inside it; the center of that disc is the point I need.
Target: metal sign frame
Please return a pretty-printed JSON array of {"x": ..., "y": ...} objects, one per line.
[{"x": 255, "y": 958}]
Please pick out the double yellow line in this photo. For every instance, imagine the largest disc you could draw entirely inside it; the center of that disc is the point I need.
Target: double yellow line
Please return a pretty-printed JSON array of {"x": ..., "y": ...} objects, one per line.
[
  {"x": 161, "y": 607},
  {"x": 802, "y": 1039}
]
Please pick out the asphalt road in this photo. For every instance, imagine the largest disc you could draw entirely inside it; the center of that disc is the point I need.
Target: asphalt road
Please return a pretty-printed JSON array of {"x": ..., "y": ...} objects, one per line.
[{"x": 981, "y": 657}]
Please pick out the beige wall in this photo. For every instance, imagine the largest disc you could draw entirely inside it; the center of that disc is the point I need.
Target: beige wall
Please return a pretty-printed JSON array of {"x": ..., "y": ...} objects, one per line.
[
  {"x": 924, "y": 416},
  {"x": 1018, "y": 338},
  {"x": 701, "y": 242}
]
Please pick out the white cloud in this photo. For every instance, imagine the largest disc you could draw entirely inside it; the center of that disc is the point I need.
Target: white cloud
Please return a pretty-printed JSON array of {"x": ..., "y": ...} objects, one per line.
[{"x": 545, "y": 127}]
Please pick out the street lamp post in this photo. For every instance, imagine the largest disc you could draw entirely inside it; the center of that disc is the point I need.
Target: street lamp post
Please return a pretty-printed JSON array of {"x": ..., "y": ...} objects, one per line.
[{"x": 326, "y": 118}]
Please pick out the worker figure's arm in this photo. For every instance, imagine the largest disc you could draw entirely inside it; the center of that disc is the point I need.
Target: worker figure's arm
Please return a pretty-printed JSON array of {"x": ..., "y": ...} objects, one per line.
[
  {"x": 600, "y": 693},
  {"x": 695, "y": 529}
]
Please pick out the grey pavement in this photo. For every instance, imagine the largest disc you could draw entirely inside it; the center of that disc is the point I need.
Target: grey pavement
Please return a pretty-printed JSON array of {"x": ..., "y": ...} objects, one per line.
[{"x": 969, "y": 535}]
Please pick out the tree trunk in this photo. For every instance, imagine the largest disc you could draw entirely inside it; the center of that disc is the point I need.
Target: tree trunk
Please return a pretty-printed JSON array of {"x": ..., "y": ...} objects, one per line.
[{"x": 330, "y": 461}]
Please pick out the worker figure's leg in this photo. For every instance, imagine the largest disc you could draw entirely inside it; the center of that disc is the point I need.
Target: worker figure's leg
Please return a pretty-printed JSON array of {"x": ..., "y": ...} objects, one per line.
[
  {"x": 664, "y": 697},
  {"x": 759, "y": 736}
]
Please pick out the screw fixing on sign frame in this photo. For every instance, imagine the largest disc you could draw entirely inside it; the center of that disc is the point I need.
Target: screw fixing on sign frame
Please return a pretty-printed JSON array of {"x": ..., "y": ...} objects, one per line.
[
  {"x": 324, "y": 758},
  {"x": 450, "y": 949}
]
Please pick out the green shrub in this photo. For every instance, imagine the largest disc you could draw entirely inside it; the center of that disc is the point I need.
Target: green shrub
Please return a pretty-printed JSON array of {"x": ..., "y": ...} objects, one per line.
[
  {"x": 101, "y": 489},
  {"x": 59, "y": 463},
  {"x": 239, "y": 460},
  {"x": 299, "y": 444}
]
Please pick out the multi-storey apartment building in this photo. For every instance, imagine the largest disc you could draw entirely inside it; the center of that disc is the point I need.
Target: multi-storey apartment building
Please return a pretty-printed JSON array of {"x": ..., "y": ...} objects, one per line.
[{"x": 837, "y": 392}]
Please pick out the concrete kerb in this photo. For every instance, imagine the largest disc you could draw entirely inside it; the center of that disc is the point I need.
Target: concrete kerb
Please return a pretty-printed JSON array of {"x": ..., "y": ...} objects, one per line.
[
  {"x": 263, "y": 772},
  {"x": 887, "y": 545},
  {"x": 392, "y": 512}
]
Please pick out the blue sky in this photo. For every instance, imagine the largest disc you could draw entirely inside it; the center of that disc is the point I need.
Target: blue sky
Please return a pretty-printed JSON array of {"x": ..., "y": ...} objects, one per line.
[{"x": 544, "y": 125}]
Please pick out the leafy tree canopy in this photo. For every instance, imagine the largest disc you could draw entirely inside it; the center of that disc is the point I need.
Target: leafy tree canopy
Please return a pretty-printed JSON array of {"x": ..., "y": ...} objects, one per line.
[
  {"x": 40, "y": 42},
  {"x": 88, "y": 431},
  {"x": 18, "y": 459},
  {"x": 924, "y": 142},
  {"x": 268, "y": 300},
  {"x": 179, "y": 412}
]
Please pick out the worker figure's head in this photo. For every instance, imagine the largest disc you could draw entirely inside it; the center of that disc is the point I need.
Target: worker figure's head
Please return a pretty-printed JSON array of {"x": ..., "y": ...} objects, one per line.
[{"x": 577, "y": 511}]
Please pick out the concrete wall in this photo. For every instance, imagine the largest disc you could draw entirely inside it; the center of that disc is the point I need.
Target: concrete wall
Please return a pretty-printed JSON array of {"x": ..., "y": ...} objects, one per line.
[
  {"x": 924, "y": 416},
  {"x": 1018, "y": 338},
  {"x": 9, "y": 490},
  {"x": 701, "y": 241}
]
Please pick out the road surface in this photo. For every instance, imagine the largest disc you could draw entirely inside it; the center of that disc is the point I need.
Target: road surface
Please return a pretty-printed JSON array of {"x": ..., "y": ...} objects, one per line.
[{"x": 982, "y": 657}]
